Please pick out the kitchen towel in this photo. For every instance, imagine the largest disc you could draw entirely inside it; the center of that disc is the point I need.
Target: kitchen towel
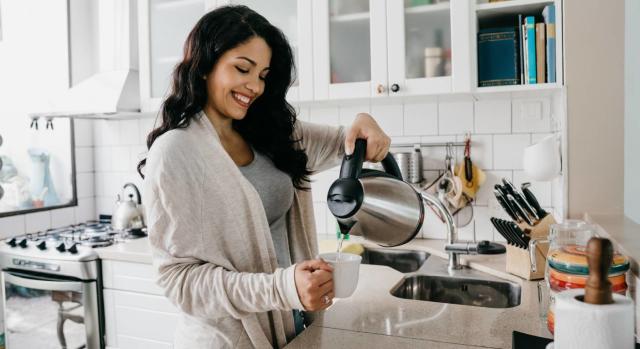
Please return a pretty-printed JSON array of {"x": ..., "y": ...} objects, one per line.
[{"x": 580, "y": 325}]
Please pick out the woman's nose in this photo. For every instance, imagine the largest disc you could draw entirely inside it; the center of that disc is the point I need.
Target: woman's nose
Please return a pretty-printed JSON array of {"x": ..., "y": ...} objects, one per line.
[{"x": 255, "y": 86}]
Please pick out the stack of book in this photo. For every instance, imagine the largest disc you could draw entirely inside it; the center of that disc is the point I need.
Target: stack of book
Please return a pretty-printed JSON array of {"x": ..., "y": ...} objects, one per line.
[{"x": 523, "y": 54}]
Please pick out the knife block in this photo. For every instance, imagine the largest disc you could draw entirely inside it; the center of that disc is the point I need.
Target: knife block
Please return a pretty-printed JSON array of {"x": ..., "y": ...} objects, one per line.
[{"x": 519, "y": 260}]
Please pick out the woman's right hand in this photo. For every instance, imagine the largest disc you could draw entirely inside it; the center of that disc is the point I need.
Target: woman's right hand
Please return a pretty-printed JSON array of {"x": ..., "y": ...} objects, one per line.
[{"x": 314, "y": 283}]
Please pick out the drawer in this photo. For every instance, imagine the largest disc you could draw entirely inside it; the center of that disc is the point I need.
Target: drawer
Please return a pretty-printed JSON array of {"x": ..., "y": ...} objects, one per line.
[{"x": 128, "y": 276}]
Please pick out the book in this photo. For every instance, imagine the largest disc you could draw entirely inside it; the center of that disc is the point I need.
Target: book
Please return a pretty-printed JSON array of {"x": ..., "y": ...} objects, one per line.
[
  {"x": 531, "y": 48},
  {"x": 540, "y": 53},
  {"x": 498, "y": 57},
  {"x": 525, "y": 54},
  {"x": 549, "y": 15},
  {"x": 521, "y": 48}
]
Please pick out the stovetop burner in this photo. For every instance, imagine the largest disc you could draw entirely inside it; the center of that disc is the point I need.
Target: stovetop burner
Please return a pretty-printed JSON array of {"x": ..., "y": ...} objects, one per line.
[{"x": 92, "y": 234}]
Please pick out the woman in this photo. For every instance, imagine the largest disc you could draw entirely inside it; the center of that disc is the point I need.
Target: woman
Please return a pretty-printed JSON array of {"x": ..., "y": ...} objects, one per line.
[{"x": 229, "y": 213}]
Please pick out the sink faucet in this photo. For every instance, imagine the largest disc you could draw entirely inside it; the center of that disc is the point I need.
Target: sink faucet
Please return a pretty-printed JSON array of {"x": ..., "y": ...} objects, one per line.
[{"x": 453, "y": 247}]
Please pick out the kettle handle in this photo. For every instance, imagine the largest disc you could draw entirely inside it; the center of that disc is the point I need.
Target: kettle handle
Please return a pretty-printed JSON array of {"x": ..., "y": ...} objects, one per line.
[
  {"x": 136, "y": 190},
  {"x": 352, "y": 164}
]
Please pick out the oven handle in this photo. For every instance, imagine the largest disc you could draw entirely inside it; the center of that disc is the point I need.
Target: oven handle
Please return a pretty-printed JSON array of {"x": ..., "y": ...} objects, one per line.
[{"x": 25, "y": 281}]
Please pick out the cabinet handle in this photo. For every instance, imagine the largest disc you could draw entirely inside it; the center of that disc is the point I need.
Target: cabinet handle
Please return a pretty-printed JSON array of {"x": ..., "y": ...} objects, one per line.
[
  {"x": 380, "y": 89},
  {"x": 395, "y": 88}
]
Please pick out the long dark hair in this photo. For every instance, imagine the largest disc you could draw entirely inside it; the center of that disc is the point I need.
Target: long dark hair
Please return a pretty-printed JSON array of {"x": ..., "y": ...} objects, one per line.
[{"x": 268, "y": 125}]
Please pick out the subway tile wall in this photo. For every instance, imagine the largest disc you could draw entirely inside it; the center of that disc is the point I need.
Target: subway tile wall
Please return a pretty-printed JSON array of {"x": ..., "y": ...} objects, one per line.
[{"x": 107, "y": 153}]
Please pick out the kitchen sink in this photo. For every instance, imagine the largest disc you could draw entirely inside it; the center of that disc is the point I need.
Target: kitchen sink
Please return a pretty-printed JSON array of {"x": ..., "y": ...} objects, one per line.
[
  {"x": 404, "y": 261},
  {"x": 479, "y": 292}
]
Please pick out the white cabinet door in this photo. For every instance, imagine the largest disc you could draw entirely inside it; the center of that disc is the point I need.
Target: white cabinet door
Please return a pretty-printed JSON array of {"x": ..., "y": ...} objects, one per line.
[
  {"x": 163, "y": 26},
  {"x": 138, "y": 321},
  {"x": 349, "y": 48},
  {"x": 423, "y": 47},
  {"x": 293, "y": 17}
]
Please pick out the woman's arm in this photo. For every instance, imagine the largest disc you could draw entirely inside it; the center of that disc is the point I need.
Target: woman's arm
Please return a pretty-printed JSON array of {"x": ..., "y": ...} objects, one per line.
[{"x": 326, "y": 145}]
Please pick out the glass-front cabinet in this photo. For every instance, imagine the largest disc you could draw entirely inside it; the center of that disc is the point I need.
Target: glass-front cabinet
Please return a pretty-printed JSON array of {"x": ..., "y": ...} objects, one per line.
[
  {"x": 163, "y": 26},
  {"x": 374, "y": 48},
  {"x": 293, "y": 17}
]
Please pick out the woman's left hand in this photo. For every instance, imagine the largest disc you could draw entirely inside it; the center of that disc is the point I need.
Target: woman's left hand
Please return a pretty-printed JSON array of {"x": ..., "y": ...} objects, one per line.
[{"x": 365, "y": 127}]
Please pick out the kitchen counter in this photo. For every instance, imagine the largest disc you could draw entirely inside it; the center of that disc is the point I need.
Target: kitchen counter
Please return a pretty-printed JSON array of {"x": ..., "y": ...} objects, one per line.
[
  {"x": 372, "y": 316},
  {"x": 136, "y": 251}
]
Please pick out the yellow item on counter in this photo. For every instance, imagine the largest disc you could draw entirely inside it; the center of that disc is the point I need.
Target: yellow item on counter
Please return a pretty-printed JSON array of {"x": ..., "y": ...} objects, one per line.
[{"x": 325, "y": 246}]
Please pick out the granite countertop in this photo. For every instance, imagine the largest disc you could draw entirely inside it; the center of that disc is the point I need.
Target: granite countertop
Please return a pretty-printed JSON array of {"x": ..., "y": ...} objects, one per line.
[{"x": 372, "y": 316}]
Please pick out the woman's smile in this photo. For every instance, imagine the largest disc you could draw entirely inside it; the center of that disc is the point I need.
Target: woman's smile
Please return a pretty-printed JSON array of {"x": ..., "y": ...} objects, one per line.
[{"x": 243, "y": 100}]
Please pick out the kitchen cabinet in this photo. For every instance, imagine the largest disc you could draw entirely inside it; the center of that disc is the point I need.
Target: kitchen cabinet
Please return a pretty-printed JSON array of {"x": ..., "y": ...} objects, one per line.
[
  {"x": 137, "y": 315},
  {"x": 293, "y": 17},
  {"x": 163, "y": 26},
  {"x": 372, "y": 48}
]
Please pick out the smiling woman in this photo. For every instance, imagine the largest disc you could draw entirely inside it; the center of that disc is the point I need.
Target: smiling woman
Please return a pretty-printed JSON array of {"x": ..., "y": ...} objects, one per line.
[{"x": 229, "y": 210}]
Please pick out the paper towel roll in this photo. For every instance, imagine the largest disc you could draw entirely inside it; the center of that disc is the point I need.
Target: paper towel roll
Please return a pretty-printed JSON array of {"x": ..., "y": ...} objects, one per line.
[{"x": 582, "y": 325}]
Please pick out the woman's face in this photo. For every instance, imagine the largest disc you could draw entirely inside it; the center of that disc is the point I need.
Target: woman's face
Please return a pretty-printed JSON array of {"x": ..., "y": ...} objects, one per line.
[{"x": 238, "y": 78}]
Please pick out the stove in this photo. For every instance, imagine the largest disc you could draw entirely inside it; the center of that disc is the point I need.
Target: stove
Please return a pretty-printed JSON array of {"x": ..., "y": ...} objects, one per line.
[{"x": 53, "y": 279}]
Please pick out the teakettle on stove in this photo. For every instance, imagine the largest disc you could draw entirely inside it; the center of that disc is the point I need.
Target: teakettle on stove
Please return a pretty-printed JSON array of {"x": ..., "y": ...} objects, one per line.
[{"x": 129, "y": 214}]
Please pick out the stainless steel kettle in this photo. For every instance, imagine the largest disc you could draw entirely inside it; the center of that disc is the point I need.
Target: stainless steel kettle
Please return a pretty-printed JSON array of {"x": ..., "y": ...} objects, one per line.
[
  {"x": 129, "y": 214},
  {"x": 374, "y": 204}
]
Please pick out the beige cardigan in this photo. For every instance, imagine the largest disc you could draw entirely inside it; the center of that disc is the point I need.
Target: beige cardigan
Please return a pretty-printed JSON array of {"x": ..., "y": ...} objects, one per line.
[{"x": 211, "y": 242}]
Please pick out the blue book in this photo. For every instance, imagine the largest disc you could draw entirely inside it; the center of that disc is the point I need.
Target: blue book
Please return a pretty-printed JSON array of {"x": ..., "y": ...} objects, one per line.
[
  {"x": 530, "y": 23},
  {"x": 549, "y": 15},
  {"x": 498, "y": 57}
]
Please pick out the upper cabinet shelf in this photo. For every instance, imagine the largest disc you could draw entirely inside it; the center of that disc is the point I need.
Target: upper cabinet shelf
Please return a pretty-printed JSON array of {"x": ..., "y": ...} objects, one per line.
[
  {"x": 353, "y": 49},
  {"x": 435, "y": 8}
]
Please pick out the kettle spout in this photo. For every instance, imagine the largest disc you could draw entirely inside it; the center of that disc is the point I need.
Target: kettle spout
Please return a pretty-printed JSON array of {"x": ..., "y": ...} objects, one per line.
[{"x": 345, "y": 225}]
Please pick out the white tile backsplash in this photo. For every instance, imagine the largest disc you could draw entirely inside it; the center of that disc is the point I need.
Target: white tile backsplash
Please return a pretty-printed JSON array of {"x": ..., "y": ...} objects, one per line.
[
  {"x": 508, "y": 150},
  {"x": 455, "y": 117},
  {"x": 495, "y": 148},
  {"x": 420, "y": 119},
  {"x": 83, "y": 132},
  {"x": 12, "y": 225},
  {"x": 63, "y": 216},
  {"x": 129, "y": 132},
  {"x": 37, "y": 221},
  {"x": 492, "y": 116},
  {"x": 329, "y": 116},
  {"x": 84, "y": 159},
  {"x": 531, "y": 115},
  {"x": 389, "y": 117},
  {"x": 85, "y": 185}
]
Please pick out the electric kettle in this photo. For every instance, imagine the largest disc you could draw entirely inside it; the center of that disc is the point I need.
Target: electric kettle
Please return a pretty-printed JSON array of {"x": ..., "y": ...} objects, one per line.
[
  {"x": 376, "y": 205},
  {"x": 129, "y": 213}
]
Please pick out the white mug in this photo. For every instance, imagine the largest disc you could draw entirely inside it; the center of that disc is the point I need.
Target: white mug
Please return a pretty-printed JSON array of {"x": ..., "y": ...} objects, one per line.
[
  {"x": 542, "y": 161},
  {"x": 345, "y": 272}
]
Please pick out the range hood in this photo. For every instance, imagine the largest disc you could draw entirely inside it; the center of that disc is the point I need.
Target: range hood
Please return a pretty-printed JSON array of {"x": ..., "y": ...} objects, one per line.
[{"x": 112, "y": 89}]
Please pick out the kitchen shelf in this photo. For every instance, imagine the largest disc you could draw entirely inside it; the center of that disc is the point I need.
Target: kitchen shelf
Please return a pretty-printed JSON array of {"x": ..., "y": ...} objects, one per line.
[
  {"x": 435, "y": 8},
  {"x": 510, "y": 7},
  {"x": 351, "y": 17},
  {"x": 519, "y": 88}
]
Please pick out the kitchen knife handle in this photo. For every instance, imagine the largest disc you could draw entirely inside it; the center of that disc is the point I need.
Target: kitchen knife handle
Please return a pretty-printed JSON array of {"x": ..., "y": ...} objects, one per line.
[
  {"x": 519, "y": 210},
  {"x": 511, "y": 189},
  {"x": 503, "y": 202},
  {"x": 531, "y": 199}
]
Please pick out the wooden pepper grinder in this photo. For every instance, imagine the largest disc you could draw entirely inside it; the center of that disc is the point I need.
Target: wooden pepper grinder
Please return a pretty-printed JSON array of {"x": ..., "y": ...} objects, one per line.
[{"x": 599, "y": 256}]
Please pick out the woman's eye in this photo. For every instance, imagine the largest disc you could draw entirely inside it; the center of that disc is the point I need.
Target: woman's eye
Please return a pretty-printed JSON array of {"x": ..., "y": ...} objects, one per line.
[
  {"x": 263, "y": 78},
  {"x": 243, "y": 71}
]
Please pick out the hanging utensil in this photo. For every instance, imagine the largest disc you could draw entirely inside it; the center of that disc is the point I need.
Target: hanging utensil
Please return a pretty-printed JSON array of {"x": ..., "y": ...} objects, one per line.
[{"x": 468, "y": 166}]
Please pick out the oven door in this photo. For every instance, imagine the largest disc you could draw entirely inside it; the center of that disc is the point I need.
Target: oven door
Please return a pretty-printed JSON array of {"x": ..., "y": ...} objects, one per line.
[{"x": 45, "y": 311}]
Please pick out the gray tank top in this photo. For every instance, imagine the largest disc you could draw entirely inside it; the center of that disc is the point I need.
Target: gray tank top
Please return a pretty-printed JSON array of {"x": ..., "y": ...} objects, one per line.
[{"x": 276, "y": 192}]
